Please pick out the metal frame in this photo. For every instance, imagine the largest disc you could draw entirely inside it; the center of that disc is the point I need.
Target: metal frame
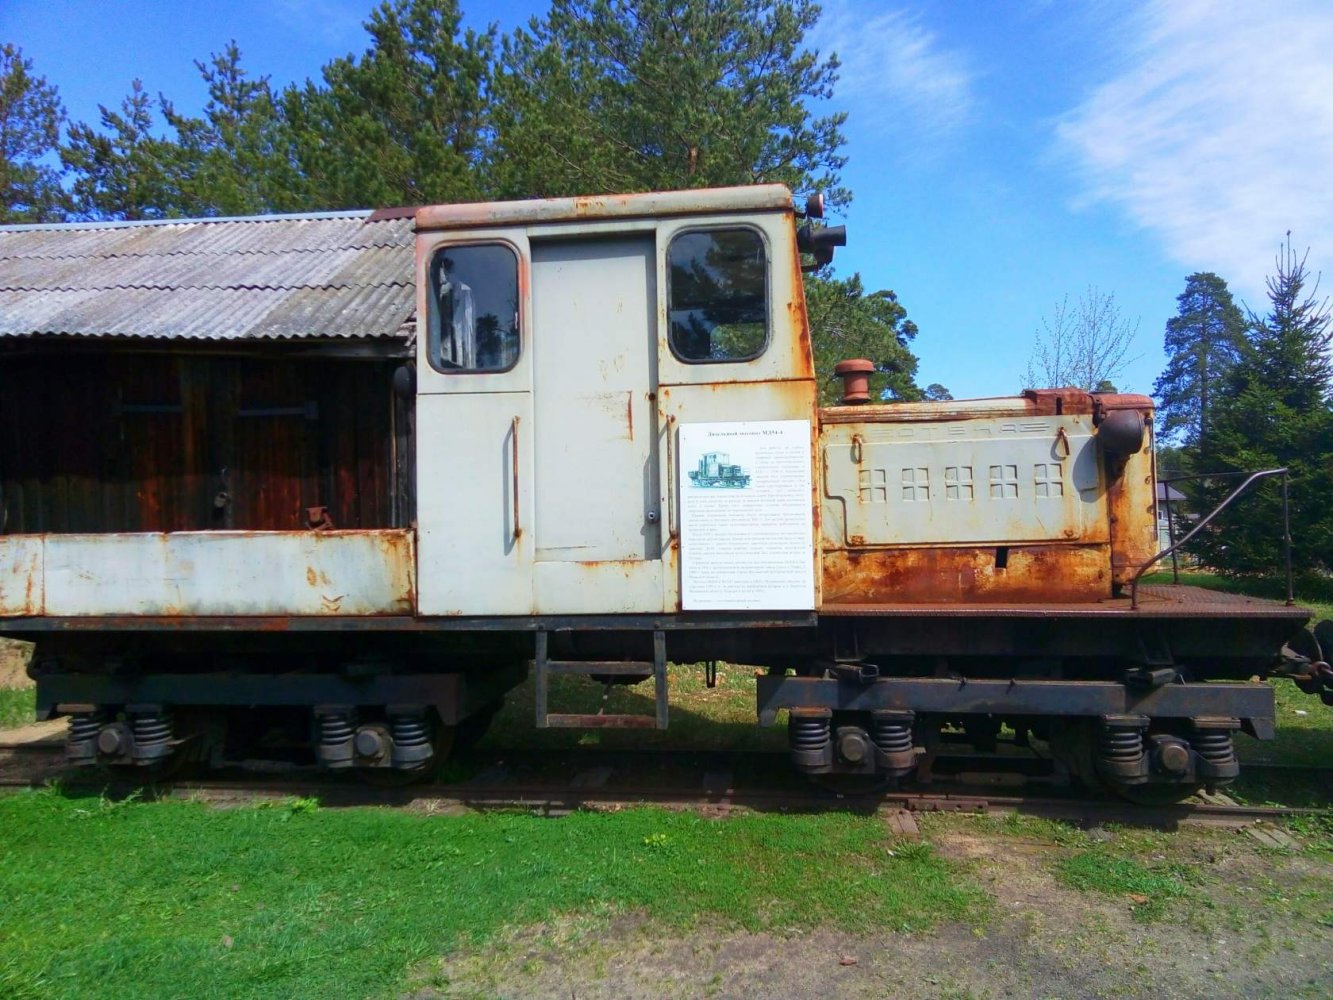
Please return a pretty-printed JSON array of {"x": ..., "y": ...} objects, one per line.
[
  {"x": 455, "y": 696},
  {"x": 545, "y": 667},
  {"x": 1253, "y": 703}
]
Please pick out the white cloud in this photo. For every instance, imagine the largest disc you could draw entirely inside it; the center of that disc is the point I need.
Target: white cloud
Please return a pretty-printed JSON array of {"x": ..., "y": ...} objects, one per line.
[
  {"x": 894, "y": 70},
  {"x": 1216, "y": 133}
]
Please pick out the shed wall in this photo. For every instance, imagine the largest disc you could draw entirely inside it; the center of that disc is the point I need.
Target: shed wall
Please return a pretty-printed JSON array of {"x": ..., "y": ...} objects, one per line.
[{"x": 133, "y": 442}]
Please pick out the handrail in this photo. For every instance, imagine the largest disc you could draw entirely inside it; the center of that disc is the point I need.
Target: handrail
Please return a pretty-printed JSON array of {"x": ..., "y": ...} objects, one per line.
[{"x": 1204, "y": 521}]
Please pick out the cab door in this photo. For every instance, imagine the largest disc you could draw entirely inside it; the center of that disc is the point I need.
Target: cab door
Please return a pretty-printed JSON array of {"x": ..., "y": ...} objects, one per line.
[
  {"x": 598, "y": 521},
  {"x": 474, "y": 425}
]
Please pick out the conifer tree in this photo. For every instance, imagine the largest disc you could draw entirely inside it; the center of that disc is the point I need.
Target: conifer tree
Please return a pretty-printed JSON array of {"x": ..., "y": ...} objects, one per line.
[
  {"x": 30, "y": 118},
  {"x": 1275, "y": 413},
  {"x": 1204, "y": 340}
]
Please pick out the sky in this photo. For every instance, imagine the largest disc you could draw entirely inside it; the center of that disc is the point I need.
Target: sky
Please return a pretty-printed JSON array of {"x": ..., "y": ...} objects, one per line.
[{"x": 1002, "y": 155}]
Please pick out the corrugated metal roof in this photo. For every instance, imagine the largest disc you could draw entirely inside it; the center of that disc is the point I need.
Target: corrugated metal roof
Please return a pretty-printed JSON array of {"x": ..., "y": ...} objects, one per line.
[{"x": 281, "y": 276}]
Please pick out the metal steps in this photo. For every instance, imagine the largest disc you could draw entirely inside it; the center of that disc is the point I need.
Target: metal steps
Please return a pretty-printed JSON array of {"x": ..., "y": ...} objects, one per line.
[{"x": 546, "y": 667}]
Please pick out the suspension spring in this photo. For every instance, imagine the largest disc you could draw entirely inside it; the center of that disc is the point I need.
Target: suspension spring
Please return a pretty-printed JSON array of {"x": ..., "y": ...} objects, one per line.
[
  {"x": 1214, "y": 746},
  {"x": 81, "y": 740},
  {"x": 151, "y": 729},
  {"x": 1122, "y": 744},
  {"x": 808, "y": 734},
  {"x": 892, "y": 735},
  {"x": 83, "y": 726},
  {"x": 336, "y": 728},
  {"x": 409, "y": 730}
]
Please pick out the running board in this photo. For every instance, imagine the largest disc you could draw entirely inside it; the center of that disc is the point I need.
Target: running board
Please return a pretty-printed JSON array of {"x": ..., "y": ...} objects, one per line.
[{"x": 555, "y": 720}]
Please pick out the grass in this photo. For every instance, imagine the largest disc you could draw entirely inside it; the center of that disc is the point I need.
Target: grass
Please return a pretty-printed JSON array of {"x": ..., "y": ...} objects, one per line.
[
  {"x": 17, "y": 706},
  {"x": 1150, "y": 886},
  {"x": 158, "y": 899}
]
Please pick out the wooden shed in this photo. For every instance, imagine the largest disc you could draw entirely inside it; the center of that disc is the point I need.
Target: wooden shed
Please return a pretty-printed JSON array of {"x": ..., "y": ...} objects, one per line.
[{"x": 202, "y": 374}]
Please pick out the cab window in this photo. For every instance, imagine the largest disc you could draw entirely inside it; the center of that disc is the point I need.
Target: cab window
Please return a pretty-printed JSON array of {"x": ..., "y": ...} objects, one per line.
[
  {"x": 718, "y": 295},
  {"x": 473, "y": 301}
]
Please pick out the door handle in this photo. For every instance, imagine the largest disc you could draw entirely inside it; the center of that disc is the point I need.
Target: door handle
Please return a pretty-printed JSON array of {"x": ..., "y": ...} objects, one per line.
[{"x": 513, "y": 437}]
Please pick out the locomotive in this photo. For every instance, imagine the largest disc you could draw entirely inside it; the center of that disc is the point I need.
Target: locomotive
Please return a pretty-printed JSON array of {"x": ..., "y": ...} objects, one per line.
[
  {"x": 714, "y": 470},
  {"x": 494, "y": 488}
]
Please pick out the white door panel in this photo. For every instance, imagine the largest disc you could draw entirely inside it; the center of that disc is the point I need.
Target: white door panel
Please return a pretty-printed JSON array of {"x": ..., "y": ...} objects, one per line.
[
  {"x": 474, "y": 504},
  {"x": 598, "y": 522}
]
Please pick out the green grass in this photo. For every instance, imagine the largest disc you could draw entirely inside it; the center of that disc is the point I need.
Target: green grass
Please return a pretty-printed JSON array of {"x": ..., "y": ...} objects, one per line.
[
  {"x": 17, "y": 706},
  {"x": 1150, "y": 886},
  {"x": 171, "y": 898}
]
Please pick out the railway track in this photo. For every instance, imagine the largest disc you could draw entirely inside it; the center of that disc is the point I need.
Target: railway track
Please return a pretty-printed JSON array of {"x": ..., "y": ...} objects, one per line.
[{"x": 712, "y": 782}]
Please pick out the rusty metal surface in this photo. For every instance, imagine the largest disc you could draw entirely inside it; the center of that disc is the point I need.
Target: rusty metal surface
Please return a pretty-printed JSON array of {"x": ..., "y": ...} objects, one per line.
[
  {"x": 1132, "y": 497},
  {"x": 1164, "y": 601},
  {"x": 988, "y": 480},
  {"x": 1032, "y": 403},
  {"x": 1011, "y": 574},
  {"x": 199, "y": 574},
  {"x": 20, "y": 575},
  {"x": 750, "y": 198},
  {"x": 272, "y": 277}
]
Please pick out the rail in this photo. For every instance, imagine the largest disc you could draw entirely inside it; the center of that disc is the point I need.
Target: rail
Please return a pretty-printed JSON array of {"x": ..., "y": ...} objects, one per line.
[{"x": 1251, "y": 478}]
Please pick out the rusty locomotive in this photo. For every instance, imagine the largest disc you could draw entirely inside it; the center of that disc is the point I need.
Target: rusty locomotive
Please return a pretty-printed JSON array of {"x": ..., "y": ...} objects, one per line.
[{"x": 356, "y": 475}]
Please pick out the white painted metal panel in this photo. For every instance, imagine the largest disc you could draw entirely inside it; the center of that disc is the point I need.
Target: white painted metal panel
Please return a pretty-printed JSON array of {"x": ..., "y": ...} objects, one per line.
[
  {"x": 571, "y": 588},
  {"x": 983, "y": 481},
  {"x": 474, "y": 531},
  {"x": 597, "y": 494},
  {"x": 597, "y": 490},
  {"x": 20, "y": 575},
  {"x": 229, "y": 573}
]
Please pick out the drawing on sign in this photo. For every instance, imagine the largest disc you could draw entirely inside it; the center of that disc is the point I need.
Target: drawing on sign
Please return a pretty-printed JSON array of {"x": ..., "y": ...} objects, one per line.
[{"x": 715, "y": 469}]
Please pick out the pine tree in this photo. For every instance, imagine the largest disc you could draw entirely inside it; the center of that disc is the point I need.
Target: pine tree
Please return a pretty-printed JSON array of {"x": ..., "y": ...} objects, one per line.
[
  {"x": 845, "y": 323},
  {"x": 123, "y": 170},
  {"x": 404, "y": 124},
  {"x": 30, "y": 118},
  {"x": 234, "y": 159},
  {"x": 639, "y": 95},
  {"x": 1204, "y": 340},
  {"x": 1275, "y": 413}
]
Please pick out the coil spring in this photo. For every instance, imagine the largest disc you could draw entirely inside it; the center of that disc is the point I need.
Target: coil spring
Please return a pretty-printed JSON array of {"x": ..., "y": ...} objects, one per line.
[
  {"x": 83, "y": 727},
  {"x": 335, "y": 728},
  {"x": 151, "y": 730},
  {"x": 1122, "y": 744},
  {"x": 808, "y": 734},
  {"x": 1214, "y": 746},
  {"x": 892, "y": 735},
  {"x": 409, "y": 730}
]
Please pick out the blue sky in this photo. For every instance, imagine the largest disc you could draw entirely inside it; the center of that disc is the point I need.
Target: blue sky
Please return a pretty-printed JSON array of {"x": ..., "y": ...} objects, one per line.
[{"x": 1002, "y": 154}]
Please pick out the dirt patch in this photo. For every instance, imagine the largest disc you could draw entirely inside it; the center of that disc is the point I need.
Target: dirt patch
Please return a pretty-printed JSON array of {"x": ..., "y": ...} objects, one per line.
[
  {"x": 14, "y": 656},
  {"x": 1233, "y": 937}
]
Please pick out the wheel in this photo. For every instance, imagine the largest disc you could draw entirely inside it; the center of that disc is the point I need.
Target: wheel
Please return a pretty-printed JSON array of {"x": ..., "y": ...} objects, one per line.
[{"x": 442, "y": 745}]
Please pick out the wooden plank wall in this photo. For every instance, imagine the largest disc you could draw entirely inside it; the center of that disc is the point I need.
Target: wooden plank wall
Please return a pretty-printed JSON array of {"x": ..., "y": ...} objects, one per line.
[{"x": 172, "y": 442}]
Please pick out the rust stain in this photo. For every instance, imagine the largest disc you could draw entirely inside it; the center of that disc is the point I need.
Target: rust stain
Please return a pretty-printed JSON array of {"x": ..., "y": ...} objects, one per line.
[
  {"x": 973, "y": 575},
  {"x": 1131, "y": 498},
  {"x": 629, "y": 412},
  {"x": 310, "y": 577}
]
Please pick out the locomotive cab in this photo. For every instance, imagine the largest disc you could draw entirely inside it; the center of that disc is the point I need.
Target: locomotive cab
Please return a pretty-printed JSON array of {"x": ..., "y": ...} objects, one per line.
[{"x": 573, "y": 356}]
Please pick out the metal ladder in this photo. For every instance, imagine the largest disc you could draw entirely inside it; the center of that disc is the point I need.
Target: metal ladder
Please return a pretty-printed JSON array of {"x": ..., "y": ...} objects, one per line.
[{"x": 556, "y": 720}]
